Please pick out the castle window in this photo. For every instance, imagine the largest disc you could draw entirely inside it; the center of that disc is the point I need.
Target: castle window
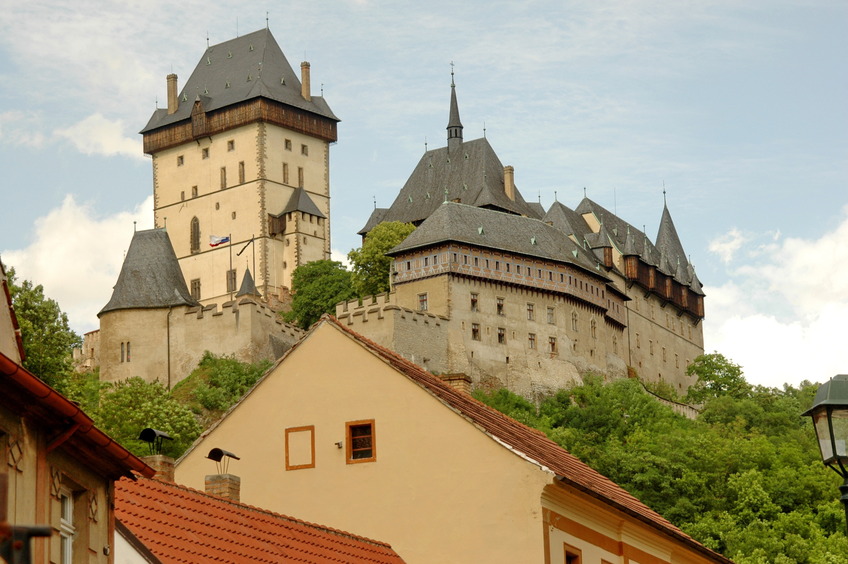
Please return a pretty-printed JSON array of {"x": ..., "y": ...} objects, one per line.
[
  {"x": 182, "y": 195},
  {"x": 507, "y": 267},
  {"x": 241, "y": 172},
  {"x": 651, "y": 346},
  {"x": 638, "y": 341},
  {"x": 497, "y": 265},
  {"x": 677, "y": 361},
  {"x": 550, "y": 276},
  {"x": 194, "y": 237},
  {"x": 663, "y": 354},
  {"x": 128, "y": 351},
  {"x": 426, "y": 261},
  {"x": 593, "y": 329},
  {"x": 531, "y": 340},
  {"x": 195, "y": 289},
  {"x": 288, "y": 145},
  {"x": 551, "y": 315},
  {"x": 285, "y": 173},
  {"x": 500, "y": 306},
  {"x": 501, "y": 335},
  {"x": 531, "y": 314},
  {"x": 204, "y": 153},
  {"x": 475, "y": 261},
  {"x": 223, "y": 177},
  {"x": 300, "y": 177},
  {"x": 464, "y": 259},
  {"x": 561, "y": 278},
  {"x": 304, "y": 150},
  {"x": 408, "y": 265},
  {"x": 475, "y": 331},
  {"x": 231, "y": 280},
  {"x": 422, "y": 302},
  {"x": 194, "y": 191},
  {"x": 231, "y": 145},
  {"x": 474, "y": 301},
  {"x": 361, "y": 445},
  {"x": 123, "y": 352},
  {"x": 180, "y": 160},
  {"x": 539, "y": 272},
  {"x": 552, "y": 345},
  {"x": 574, "y": 321},
  {"x": 454, "y": 257}
]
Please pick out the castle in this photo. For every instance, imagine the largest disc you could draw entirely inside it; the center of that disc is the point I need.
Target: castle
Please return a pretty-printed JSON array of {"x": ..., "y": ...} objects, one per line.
[
  {"x": 489, "y": 285},
  {"x": 511, "y": 295}
]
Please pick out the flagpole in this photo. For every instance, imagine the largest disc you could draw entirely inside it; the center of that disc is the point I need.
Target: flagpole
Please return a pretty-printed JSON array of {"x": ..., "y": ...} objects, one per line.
[
  {"x": 255, "y": 274},
  {"x": 231, "y": 268}
]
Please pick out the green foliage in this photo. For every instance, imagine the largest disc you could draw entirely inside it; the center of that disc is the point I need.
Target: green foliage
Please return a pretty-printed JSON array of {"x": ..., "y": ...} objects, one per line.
[
  {"x": 717, "y": 376},
  {"x": 128, "y": 407},
  {"x": 47, "y": 337},
  {"x": 83, "y": 388},
  {"x": 371, "y": 266},
  {"x": 744, "y": 479},
  {"x": 317, "y": 287},
  {"x": 227, "y": 380}
]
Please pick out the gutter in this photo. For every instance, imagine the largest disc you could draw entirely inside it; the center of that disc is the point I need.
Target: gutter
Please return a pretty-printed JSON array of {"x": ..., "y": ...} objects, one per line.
[{"x": 81, "y": 424}]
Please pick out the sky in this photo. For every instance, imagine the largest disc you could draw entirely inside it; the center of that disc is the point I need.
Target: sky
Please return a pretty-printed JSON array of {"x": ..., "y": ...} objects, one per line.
[{"x": 737, "y": 109}]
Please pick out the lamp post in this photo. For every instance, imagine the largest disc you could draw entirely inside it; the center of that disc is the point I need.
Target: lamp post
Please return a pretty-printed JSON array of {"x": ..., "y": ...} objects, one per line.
[{"x": 830, "y": 419}]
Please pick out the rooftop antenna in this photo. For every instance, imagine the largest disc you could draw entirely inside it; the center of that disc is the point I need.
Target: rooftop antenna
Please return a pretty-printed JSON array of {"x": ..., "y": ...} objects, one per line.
[
  {"x": 266, "y": 19},
  {"x": 375, "y": 201},
  {"x": 207, "y": 39}
]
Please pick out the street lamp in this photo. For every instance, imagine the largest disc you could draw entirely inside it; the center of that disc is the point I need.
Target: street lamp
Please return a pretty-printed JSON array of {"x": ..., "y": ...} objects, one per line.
[{"x": 830, "y": 418}]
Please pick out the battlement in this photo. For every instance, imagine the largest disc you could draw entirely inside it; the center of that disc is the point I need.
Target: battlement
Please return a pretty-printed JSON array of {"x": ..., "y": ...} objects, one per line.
[{"x": 256, "y": 311}]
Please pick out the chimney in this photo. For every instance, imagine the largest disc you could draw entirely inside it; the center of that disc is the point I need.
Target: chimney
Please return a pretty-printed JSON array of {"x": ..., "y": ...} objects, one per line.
[
  {"x": 509, "y": 182},
  {"x": 460, "y": 382},
  {"x": 304, "y": 81},
  {"x": 173, "y": 101},
  {"x": 163, "y": 465},
  {"x": 227, "y": 486}
]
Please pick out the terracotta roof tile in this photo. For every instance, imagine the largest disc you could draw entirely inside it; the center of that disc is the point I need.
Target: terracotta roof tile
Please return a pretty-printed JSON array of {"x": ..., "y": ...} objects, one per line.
[
  {"x": 179, "y": 524},
  {"x": 531, "y": 443}
]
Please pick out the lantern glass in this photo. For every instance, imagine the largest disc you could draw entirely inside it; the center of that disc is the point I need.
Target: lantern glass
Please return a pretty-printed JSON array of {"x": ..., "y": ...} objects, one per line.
[{"x": 833, "y": 445}]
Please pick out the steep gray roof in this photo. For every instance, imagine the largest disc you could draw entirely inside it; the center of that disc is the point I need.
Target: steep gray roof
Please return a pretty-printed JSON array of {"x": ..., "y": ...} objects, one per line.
[
  {"x": 247, "y": 67},
  {"x": 150, "y": 276},
  {"x": 248, "y": 287},
  {"x": 668, "y": 242},
  {"x": 302, "y": 202},
  {"x": 497, "y": 230},
  {"x": 567, "y": 220},
  {"x": 472, "y": 174},
  {"x": 374, "y": 220},
  {"x": 617, "y": 229}
]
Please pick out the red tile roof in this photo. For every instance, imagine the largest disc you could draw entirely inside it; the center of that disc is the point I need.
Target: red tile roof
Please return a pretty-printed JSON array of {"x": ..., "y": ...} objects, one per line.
[
  {"x": 180, "y": 524},
  {"x": 531, "y": 443}
]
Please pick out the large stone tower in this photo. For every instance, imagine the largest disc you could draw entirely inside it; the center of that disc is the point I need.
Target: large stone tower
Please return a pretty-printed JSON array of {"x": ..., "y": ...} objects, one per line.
[{"x": 242, "y": 152}]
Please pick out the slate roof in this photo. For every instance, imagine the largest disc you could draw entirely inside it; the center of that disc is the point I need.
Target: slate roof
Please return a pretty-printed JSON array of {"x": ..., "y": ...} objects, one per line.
[
  {"x": 302, "y": 202},
  {"x": 182, "y": 525},
  {"x": 248, "y": 286},
  {"x": 493, "y": 229},
  {"x": 374, "y": 220},
  {"x": 471, "y": 173},
  {"x": 241, "y": 69},
  {"x": 150, "y": 276}
]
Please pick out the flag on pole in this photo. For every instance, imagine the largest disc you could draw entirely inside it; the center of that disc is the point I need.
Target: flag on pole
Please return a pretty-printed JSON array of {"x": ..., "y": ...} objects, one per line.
[{"x": 214, "y": 240}]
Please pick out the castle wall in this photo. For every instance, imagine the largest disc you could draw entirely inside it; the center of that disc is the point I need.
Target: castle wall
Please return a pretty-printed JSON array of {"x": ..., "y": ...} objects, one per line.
[{"x": 168, "y": 348}]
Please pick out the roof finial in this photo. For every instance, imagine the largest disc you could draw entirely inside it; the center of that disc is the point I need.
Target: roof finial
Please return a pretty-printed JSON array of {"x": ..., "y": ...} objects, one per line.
[
  {"x": 664, "y": 202},
  {"x": 540, "y": 196},
  {"x": 454, "y": 124},
  {"x": 156, "y": 102},
  {"x": 584, "y": 191},
  {"x": 134, "y": 226},
  {"x": 452, "y": 84},
  {"x": 425, "y": 143},
  {"x": 555, "y": 196},
  {"x": 266, "y": 19},
  {"x": 484, "y": 130},
  {"x": 446, "y": 195},
  {"x": 322, "y": 89},
  {"x": 207, "y": 38},
  {"x": 165, "y": 223},
  {"x": 375, "y": 202}
]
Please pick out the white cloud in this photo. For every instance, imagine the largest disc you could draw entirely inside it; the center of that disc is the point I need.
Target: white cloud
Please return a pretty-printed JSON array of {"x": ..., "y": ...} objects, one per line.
[
  {"x": 96, "y": 135},
  {"x": 781, "y": 316},
  {"x": 340, "y": 256},
  {"x": 726, "y": 245},
  {"x": 77, "y": 256}
]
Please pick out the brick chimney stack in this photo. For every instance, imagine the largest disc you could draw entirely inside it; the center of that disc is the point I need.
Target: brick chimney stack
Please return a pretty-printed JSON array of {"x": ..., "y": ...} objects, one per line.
[
  {"x": 227, "y": 486},
  {"x": 163, "y": 465},
  {"x": 305, "y": 88},
  {"x": 509, "y": 182},
  {"x": 173, "y": 101}
]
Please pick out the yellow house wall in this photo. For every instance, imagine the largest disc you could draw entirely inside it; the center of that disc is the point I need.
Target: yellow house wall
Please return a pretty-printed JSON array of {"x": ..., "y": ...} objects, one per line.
[
  {"x": 439, "y": 491},
  {"x": 32, "y": 500}
]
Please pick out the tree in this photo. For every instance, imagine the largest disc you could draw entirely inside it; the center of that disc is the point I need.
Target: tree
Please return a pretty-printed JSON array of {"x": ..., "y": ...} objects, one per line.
[
  {"x": 132, "y": 405},
  {"x": 317, "y": 287},
  {"x": 717, "y": 376},
  {"x": 371, "y": 266},
  {"x": 48, "y": 339}
]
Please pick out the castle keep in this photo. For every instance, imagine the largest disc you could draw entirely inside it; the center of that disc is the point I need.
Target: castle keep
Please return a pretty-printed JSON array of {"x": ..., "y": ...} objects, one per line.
[{"x": 519, "y": 297}]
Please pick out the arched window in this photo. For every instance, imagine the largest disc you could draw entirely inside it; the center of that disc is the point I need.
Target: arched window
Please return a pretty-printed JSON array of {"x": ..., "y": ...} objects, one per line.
[{"x": 195, "y": 235}]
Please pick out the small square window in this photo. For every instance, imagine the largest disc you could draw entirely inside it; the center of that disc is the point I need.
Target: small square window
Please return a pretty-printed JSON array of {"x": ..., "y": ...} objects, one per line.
[
  {"x": 180, "y": 160},
  {"x": 361, "y": 445},
  {"x": 475, "y": 331},
  {"x": 501, "y": 336},
  {"x": 204, "y": 153},
  {"x": 422, "y": 302},
  {"x": 231, "y": 280},
  {"x": 195, "y": 288},
  {"x": 288, "y": 145},
  {"x": 531, "y": 313},
  {"x": 231, "y": 145},
  {"x": 304, "y": 150}
]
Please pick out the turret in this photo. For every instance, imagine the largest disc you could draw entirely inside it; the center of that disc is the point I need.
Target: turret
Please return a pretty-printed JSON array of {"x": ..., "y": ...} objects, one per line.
[{"x": 454, "y": 125}]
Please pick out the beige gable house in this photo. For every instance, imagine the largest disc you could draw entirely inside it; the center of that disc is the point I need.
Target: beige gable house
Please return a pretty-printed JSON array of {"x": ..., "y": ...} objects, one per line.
[{"x": 345, "y": 431}]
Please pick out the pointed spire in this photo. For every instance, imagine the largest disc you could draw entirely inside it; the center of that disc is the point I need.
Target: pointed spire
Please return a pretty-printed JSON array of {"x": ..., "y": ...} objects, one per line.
[
  {"x": 248, "y": 287},
  {"x": 630, "y": 244},
  {"x": 454, "y": 125},
  {"x": 668, "y": 241}
]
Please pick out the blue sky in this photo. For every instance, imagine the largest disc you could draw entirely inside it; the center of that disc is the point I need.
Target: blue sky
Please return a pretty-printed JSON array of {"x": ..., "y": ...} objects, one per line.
[{"x": 738, "y": 108}]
